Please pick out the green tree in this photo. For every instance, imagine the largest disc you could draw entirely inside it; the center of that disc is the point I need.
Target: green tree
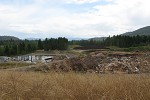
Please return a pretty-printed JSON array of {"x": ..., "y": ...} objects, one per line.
[
  {"x": 6, "y": 50},
  {"x": 40, "y": 45},
  {"x": 46, "y": 45}
]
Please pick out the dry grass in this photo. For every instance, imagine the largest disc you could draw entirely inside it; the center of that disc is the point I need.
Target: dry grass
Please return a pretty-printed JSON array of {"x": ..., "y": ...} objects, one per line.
[
  {"x": 7, "y": 65},
  {"x": 73, "y": 86}
]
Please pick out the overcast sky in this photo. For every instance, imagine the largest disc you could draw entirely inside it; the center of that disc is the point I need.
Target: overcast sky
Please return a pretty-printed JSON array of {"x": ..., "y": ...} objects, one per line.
[{"x": 72, "y": 18}]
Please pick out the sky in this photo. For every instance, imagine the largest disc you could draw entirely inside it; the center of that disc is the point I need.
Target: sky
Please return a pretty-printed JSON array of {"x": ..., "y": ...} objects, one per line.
[{"x": 72, "y": 18}]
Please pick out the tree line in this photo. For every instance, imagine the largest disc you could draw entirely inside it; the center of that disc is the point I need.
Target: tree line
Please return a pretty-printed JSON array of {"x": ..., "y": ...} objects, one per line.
[
  {"x": 118, "y": 40},
  {"x": 127, "y": 41},
  {"x": 53, "y": 44},
  {"x": 87, "y": 44},
  {"x": 11, "y": 47}
]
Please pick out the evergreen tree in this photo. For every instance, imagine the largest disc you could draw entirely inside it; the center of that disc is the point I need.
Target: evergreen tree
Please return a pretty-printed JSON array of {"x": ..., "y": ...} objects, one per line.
[
  {"x": 40, "y": 44},
  {"x": 6, "y": 50},
  {"x": 46, "y": 45},
  {"x": 1, "y": 51}
]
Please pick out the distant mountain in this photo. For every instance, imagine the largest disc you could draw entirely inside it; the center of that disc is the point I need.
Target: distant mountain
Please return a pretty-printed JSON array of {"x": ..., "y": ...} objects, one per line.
[
  {"x": 141, "y": 31},
  {"x": 98, "y": 38},
  {"x": 3, "y": 38},
  {"x": 33, "y": 39},
  {"x": 70, "y": 39}
]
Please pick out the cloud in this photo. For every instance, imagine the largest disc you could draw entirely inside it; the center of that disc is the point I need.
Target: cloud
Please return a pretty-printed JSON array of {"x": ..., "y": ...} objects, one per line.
[
  {"x": 126, "y": 15},
  {"x": 81, "y": 1},
  {"x": 47, "y": 18}
]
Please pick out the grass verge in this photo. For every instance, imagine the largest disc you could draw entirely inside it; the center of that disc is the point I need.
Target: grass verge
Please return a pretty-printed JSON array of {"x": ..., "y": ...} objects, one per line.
[
  {"x": 130, "y": 49},
  {"x": 6, "y": 65},
  {"x": 73, "y": 86}
]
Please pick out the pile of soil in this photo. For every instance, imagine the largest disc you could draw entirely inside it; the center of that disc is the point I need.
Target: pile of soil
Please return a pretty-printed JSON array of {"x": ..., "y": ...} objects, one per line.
[{"x": 98, "y": 62}]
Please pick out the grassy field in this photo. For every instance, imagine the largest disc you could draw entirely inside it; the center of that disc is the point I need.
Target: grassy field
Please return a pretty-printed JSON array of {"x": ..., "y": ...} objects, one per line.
[
  {"x": 7, "y": 65},
  {"x": 73, "y": 86},
  {"x": 130, "y": 49}
]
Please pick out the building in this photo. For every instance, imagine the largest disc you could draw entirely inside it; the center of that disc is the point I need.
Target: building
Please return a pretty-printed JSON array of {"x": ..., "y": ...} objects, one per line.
[
  {"x": 30, "y": 58},
  {"x": 4, "y": 58},
  {"x": 34, "y": 58},
  {"x": 47, "y": 59}
]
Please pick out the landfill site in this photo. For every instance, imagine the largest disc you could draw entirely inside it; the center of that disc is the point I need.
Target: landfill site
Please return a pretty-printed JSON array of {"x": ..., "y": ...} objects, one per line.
[{"x": 102, "y": 62}]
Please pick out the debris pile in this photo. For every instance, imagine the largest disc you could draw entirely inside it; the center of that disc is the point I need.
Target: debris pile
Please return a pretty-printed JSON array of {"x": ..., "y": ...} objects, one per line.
[
  {"x": 100, "y": 63},
  {"x": 122, "y": 65}
]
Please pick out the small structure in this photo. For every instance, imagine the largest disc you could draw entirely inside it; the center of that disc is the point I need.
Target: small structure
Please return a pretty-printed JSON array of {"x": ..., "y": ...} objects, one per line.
[
  {"x": 30, "y": 58},
  {"x": 34, "y": 58},
  {"x": 47, "y": 59},
  {"x": 4, "y": 58}
]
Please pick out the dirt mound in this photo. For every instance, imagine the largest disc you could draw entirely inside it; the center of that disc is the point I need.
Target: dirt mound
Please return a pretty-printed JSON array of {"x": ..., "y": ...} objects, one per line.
[{"x": 98, "y": 62}]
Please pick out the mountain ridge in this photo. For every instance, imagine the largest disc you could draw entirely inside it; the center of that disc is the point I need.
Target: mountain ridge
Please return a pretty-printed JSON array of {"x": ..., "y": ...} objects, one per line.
[
  {"x": 98, "y": 38},
  {"x": 140, "y": 31},
  {"x": 7, "y": 38}
]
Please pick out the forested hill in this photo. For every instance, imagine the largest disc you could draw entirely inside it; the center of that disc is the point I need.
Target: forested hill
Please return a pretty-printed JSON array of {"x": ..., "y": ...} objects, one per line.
[
  {"x": 141, "y": 31},
  {"x": 4, "y": 38}
]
